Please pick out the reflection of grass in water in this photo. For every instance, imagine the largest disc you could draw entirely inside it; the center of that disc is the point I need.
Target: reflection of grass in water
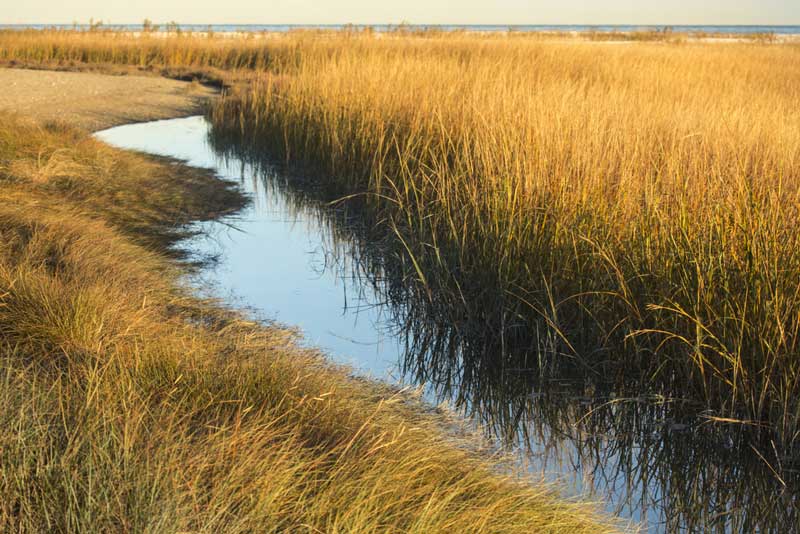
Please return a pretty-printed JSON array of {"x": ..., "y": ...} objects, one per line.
[
  {"x": 652, "y": 452},
  {"x": 628, "y": 210},
  {"x": 694, "y": 477}
]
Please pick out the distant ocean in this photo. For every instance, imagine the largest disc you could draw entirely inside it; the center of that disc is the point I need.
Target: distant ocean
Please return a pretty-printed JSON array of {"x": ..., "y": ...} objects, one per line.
[{"x": 785, "y": 30}]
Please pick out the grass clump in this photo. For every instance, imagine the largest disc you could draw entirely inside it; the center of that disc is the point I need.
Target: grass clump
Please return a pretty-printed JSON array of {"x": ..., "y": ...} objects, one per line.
[{"x": 128, "y": 406}]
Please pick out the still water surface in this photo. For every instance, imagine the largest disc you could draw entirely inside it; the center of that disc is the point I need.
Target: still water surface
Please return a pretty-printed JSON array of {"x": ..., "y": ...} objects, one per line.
[
  {"x": 272, "y": 257},
  {"x": 287, "y": 258}
]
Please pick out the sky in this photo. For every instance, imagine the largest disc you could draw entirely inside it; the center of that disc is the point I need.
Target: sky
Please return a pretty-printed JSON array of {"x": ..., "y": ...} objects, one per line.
[{"x": 515, "y": 12}]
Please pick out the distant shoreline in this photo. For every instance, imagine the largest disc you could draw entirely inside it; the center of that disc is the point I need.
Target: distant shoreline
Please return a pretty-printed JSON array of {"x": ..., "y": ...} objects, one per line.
[{"x": 528, "y": 28}]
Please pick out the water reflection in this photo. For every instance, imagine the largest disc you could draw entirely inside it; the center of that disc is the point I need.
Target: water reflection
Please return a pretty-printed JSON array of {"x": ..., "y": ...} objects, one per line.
[
  {"x": 273, "y": 256},
  {"x": 348, "y": 282}
]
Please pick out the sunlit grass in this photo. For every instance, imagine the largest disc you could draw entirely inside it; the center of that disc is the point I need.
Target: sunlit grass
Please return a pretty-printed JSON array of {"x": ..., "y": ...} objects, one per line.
[
  {"x": 628, "y": 210},
  {"x": 635, "y": 204},
  {"x": 637, "y": 201},
  {"x": 127, "y": 406}
]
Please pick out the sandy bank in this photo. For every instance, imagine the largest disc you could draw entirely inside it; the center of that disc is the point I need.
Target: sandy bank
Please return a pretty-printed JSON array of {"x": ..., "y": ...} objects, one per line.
[{"x": 97, "y": 101}]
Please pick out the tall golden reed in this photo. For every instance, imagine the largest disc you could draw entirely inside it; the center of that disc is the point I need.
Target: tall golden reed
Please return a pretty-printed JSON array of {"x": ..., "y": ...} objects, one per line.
[{"x": 640, "y": 200}]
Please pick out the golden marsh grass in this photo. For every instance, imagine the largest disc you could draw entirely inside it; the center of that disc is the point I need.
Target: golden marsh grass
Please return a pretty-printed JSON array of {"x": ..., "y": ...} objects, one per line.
[
  {"x": 127, "y": 406},
  {"x": 626, "y": 209},
  {"x": 637, "y": 202}
]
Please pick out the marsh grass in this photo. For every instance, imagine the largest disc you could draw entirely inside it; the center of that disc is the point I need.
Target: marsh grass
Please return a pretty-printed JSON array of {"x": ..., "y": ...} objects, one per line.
[
  {"x": 633, "y": 444},
  {"x": 630, "y": 210},
  {"x": 222, "y": 59},
  {"x": 625, "y": 209},
  {"x": 128, "y": 406},
  {"x": 564, "y": 208}
]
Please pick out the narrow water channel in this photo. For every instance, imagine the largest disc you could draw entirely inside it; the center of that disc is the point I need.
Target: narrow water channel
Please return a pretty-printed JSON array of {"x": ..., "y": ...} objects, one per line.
[
  {"x": 273, "y": 257},
  {"x": 287, "y": 258}
]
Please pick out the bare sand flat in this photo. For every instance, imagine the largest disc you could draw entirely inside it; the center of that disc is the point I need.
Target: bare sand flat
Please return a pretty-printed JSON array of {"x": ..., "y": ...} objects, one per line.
[{"x": 96, "y": 101}]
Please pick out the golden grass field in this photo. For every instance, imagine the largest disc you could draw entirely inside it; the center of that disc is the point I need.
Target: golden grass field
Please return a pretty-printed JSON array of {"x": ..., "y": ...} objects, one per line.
[
  {"x": 633, "y": 204},
  {"x": 128, "y": 406},
  {"x": 637, "y": 202}
]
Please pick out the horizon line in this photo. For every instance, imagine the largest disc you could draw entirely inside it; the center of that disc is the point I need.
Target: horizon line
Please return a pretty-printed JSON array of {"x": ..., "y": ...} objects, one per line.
[{"x": 406, "y": 23}]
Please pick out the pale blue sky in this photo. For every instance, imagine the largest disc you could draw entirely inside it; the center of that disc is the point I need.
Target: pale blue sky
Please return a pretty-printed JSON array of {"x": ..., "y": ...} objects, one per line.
[{"x": 770, "y": 12}]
